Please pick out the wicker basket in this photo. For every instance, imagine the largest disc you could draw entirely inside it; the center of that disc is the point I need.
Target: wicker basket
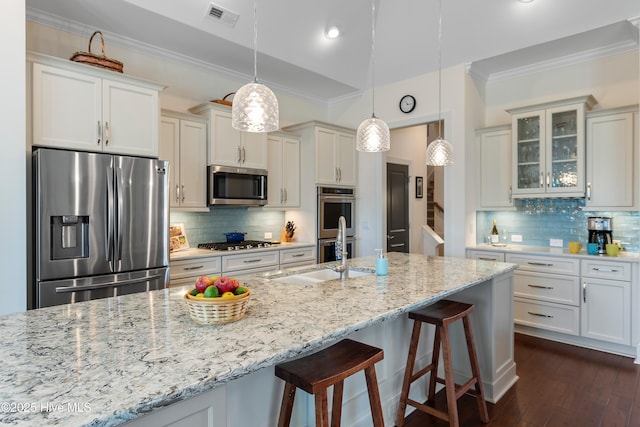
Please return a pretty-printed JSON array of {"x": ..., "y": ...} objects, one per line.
[
  {"x": 207, "y": 311},
  {"x": 96, "y": 60}
]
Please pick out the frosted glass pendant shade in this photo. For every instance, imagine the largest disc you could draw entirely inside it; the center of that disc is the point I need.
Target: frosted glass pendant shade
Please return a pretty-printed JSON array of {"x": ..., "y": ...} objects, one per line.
[
  {"x": 439, "y": 153},
  {"x": 255, "y": 109},
  {"x": 373, "y": 136}
]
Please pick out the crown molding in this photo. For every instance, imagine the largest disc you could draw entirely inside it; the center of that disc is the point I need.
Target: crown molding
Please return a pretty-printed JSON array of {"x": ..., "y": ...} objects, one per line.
[{"x": 74, "y": 27}]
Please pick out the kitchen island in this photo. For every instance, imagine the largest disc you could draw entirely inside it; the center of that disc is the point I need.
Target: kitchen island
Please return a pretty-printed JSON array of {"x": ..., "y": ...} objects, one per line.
[{"x": 140, "y": 358}]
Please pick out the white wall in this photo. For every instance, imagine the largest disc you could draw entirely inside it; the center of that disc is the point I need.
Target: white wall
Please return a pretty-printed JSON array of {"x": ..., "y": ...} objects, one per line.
[
  {"x": 612, "y": 80},
  {"x": 372, "y": 173},
  {"x": 13, "y": 285}
]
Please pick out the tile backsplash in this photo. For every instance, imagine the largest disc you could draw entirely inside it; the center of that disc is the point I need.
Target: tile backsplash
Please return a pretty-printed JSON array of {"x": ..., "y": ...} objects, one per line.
[
  {"x": 210, "y": 226},
  {"x": 538, "y": 220}
]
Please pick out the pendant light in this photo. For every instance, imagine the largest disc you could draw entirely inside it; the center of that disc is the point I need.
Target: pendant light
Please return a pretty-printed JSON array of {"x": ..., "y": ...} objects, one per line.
[
  {"x": 440, "y": 151},
  {"x": 255, "y": 107},
  {"x": 373, "y": 133}
]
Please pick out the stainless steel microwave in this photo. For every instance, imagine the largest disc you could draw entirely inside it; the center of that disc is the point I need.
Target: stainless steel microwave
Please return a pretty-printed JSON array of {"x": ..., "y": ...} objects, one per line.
[{"x": 228, "y": 185}]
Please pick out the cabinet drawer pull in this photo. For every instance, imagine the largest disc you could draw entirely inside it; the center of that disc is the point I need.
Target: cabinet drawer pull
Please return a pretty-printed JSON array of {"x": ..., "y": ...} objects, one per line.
[
  {"x": 541, "y": 264},
  {"x": 539, "y": 286},
  {"x": 548, "y": 316},
  {"x": 584, "y": 291},
  {"x": 248, "y": 261},
  {"x": 487, "y": 259},
  {"x": 605, "y": 270},
  {"x": 297, "y": 255},
  {"x": 195, "y": 267}
]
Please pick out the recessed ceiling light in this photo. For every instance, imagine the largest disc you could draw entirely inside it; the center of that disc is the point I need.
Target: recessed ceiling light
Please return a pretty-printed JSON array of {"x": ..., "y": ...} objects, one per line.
[
  {"x": 332, "y": 32},
  {"x": 525, "y": 1}
]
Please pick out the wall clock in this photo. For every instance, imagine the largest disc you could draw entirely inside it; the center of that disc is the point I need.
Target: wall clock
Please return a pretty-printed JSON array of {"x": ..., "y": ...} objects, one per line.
[{"x": 407, "y": 103}]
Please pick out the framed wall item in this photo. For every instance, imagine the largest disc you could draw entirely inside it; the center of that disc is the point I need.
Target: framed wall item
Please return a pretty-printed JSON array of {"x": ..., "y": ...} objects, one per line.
[{"x": 419, "y": 187}]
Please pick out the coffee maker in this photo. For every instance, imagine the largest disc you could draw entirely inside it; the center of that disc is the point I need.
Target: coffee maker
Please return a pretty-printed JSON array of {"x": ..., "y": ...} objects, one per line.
[{"x": 600, "y": 232}]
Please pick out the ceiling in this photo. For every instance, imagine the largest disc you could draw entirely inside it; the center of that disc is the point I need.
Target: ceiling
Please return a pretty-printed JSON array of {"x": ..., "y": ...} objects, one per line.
[{"x": 492, "y": 36}]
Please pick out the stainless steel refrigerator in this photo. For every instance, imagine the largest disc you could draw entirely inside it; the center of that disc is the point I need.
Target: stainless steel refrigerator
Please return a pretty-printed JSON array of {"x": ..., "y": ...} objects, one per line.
[{"x": 101, "y": 225}]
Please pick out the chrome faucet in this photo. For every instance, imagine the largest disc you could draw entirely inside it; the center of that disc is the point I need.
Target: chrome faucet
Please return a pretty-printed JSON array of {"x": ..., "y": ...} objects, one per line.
[{"x": 341, "y": 249}]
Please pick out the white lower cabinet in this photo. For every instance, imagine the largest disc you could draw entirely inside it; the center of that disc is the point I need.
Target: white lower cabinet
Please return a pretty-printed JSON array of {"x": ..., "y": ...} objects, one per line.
[
  {"x": 606, "y": 303},
  {"x": 546, "y": 292},
  {"x": 297, "y": 257},
  {"x": 587, "y": 301},
  {"x": 208, "y": 409},
  {"x": 250, "y": 263},
  {"x": 185, "y": 272},
  {"x": 486, "y": 255}
]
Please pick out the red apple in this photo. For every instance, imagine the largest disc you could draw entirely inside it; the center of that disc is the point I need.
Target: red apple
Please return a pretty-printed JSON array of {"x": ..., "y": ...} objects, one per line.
[
  {"x": 203, "y": 282},
  {"x": 225, "y": 284}
]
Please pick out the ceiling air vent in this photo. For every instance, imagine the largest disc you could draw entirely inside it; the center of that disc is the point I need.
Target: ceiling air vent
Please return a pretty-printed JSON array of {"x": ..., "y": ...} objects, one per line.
[{"x": 223, "y": 15}]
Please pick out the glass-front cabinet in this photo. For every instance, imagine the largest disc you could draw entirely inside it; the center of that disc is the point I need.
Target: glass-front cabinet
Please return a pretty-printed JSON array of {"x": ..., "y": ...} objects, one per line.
[{"x": 549, "y": 149}]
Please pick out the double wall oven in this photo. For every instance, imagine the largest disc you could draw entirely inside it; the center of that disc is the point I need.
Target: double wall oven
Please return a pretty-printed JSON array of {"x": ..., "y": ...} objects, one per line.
[{"x": 334, "y": 202}]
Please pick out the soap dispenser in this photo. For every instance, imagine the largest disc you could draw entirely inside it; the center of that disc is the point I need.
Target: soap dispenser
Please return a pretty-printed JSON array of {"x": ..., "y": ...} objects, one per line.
[{"x": 382, "y": 264}]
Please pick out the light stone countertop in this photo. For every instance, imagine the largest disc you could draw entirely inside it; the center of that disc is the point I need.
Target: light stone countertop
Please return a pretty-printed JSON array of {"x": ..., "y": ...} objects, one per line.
[
  {"x": 103, "y": 362},
  {"x": 625, "y": 256}
]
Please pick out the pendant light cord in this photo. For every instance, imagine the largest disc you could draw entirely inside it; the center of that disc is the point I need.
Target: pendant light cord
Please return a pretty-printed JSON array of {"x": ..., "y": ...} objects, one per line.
[
  {"x": 255, "y": 41},
  {"x": 440, "y": 69},
  {"x": 373, "y": 59}
]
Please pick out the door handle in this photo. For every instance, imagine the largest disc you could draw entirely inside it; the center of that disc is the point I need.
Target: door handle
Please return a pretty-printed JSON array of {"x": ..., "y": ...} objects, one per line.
[
  {"x": 588, "y": 191},
  {"x": 107, "y": 133},
  {"x": 107, "y": 285},
  {"x": 239, "y": 155},
  {"x": 99, "y": 132},
  {"x": 183, "y": 195},
  {"x": 244, "y": 155},
  {"x": 541, "y": 179},
  {"x": 177, "y": 193}
]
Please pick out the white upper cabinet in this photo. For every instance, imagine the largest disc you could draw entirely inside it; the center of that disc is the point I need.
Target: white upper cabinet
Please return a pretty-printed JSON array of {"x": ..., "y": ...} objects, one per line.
[
  {"x": 228, "y": 146},
  {"x": 493, "y": 186},
  {"x": 549, "y": 149},
  {"x": 183, "y": 142},
  {"x": 335, "y": 157},
  {"x": 612, "y": 160},
  {"x": 76, "y": 106},
  {"x": 334, "y": 152},
  {"x": 283, "y": 165}
]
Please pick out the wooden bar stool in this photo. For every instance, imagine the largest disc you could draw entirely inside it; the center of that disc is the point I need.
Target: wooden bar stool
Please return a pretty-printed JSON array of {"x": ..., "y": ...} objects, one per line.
[
  {"x": 329, "y": 367},
  {"x": 441, "y": 314}
]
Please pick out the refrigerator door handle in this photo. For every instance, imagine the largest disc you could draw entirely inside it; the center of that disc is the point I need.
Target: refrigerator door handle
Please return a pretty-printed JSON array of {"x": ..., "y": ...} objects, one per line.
[
  {"x": 110, "y": 219},
  {"x": 107, "y": 285},
  {"x": 118, "y": 214}
]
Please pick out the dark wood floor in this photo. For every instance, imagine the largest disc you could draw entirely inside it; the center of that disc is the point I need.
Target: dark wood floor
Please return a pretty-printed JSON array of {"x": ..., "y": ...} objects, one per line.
[{"x": 559, "y": 385}]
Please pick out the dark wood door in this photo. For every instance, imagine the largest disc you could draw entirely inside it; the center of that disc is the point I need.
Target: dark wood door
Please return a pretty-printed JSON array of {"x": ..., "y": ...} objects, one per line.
[{"x": 397, "y": 208}]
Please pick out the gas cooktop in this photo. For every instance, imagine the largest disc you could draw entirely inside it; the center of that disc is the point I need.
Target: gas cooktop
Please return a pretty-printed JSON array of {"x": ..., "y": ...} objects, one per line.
[{"x": 226, "y": 246}]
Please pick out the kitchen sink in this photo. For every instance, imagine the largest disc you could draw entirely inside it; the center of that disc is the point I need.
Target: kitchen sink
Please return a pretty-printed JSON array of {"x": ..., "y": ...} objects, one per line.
[{"x": 317, "y": 276}]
